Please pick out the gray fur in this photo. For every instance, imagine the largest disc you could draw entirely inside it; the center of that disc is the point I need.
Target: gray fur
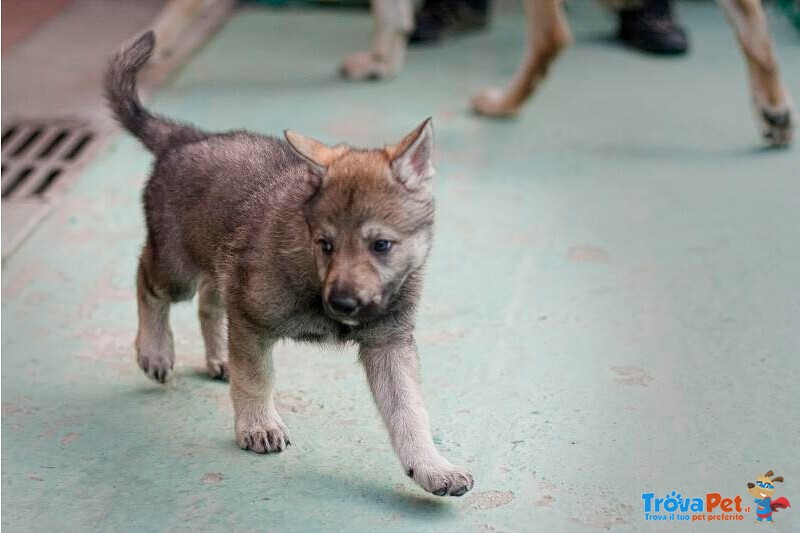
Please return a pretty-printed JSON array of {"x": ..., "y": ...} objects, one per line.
[{"x": 242, "y": 216}]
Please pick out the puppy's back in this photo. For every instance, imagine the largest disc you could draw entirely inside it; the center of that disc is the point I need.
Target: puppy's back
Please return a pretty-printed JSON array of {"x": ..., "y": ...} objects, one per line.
[{"x": 209, "y": 190}]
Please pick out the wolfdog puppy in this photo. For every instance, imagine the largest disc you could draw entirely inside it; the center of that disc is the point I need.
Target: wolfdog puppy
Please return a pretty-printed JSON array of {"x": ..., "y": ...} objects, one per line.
[{"x": 286, "y": 239}]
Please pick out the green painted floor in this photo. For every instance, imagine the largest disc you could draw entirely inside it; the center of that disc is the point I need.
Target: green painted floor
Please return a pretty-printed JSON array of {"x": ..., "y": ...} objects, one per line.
[{"x": 612, "y": 305}]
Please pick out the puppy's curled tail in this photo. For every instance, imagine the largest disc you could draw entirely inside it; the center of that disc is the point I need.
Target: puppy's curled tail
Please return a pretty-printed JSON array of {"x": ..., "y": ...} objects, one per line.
[{"x": 155, "y": 132}]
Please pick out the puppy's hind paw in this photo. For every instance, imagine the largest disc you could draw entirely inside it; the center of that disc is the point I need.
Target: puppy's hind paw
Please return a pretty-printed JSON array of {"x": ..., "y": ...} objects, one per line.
[
  {"x": 155, "y": 354},
  {"x": 156, "y": 365},
  {"x": 218, "y": 369},
  {"x": 446, "y": 480}
]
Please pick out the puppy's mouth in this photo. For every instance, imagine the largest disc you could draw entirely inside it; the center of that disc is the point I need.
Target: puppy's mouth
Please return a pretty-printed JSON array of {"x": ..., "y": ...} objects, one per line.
[
  {"x": 763, "y": 494},
  {"x": 348, "y": 320},
  {"x": 363, "y": 316}
]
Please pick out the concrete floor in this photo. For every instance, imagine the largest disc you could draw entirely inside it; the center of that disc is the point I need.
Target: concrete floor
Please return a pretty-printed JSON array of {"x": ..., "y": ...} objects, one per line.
[{"x": 611, "y": 307}]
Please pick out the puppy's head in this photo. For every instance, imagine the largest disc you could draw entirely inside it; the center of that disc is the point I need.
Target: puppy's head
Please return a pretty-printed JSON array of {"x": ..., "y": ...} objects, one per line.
[{"x": 370, "y": 219}]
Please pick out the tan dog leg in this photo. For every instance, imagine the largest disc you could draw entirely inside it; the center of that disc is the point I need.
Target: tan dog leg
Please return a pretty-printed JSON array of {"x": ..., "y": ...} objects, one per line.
[
  {"x": 770, "y": 98},
  {"x": 548, "y": 34},
  {"x": 394, "y": 20},
  {"x": 258, "y": 425},
  {"x": 215, "y": 329},
  {"x": 393, "y": 374}
]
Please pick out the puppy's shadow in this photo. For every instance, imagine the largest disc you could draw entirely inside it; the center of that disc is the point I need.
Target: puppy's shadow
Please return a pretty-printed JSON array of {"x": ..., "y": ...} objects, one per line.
[
  {"x": 406, "y": 499},
  {"x": 199, "y": 374},
  {"x": 386, "y": 491},
  {"x": 183, "y": 379}
]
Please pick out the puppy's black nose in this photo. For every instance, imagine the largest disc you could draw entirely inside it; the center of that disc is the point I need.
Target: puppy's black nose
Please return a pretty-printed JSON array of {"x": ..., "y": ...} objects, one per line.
[{"x": 343, "y": 303}]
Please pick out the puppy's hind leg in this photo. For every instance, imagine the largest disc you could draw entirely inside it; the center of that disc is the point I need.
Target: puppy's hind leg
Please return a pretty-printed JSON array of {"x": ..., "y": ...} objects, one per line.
[
  {"x": 155, "y": 352},
  {"x": 394, "y": 20},
  {"x": 770, "y": 97},
  {"x": 158, "y": 285},
  {"x": 548, "y": 34},
  {"x": 214, "y": 325}
]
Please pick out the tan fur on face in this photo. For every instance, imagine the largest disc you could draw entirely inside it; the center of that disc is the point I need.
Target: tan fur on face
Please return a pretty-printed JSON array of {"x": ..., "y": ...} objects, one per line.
[{"x": 360, "y": 201}]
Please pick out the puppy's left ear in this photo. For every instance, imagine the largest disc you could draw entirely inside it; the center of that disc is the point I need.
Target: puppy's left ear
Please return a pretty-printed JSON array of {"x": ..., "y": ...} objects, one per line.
[
  {"x": 412, "y": 157},
  {"x": 317, "y": 155}
]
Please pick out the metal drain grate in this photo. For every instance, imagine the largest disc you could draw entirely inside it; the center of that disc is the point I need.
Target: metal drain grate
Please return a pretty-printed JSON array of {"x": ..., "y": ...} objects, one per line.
[{"x": 37, "y": 153}]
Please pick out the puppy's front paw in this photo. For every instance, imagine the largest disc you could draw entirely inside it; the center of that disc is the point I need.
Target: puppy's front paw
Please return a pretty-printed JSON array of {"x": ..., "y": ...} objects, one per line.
[
  {"x": 268, "y": 435},
  {"x": 494, "y": 102},
  {"x": 443, "y": 479}
]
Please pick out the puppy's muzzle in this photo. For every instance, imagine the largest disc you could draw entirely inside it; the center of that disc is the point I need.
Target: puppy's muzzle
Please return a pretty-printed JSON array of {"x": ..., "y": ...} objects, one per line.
[{"x": 344, "y": 304}]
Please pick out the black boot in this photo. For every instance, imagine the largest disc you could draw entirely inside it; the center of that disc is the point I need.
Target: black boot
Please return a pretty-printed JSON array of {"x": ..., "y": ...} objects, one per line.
[
  {"x": 439, "y": 19},
  {"x": 652, "y": 29}
]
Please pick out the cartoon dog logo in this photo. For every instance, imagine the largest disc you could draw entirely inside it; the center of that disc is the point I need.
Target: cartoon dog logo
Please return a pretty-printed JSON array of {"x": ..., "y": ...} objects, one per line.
[{"x": 762, "y": 490}]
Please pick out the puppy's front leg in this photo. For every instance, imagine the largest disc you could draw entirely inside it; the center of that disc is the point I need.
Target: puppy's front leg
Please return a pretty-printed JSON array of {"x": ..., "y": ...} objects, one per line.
[
  {"x": 393, "y": 373},
  {"x": 258, "y": 425}
]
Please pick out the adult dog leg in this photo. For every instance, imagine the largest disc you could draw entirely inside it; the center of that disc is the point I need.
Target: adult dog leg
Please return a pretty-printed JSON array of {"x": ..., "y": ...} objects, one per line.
[
  {"x": 393, "y": 374},
  {"x": 258, "y": 425},
  {"x": 548, "y": 34},
  {"x": 215, "y": 331},
  {"x": 770, "y": 97},
  {"x": 394, "y": 20}
]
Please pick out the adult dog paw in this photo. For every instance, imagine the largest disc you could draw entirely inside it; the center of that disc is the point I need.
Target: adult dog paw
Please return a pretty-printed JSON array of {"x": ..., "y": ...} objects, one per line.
[
  {"x": 365, "y": 66},
  {"x": 776, "y": 126},
  {"x": 494, "y": 102}
]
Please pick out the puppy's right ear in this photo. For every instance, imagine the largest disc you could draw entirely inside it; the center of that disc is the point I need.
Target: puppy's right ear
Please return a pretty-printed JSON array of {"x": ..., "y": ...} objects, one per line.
[
  {"x": 316, "y": 154},
  {"x": 412, "y": 157}
]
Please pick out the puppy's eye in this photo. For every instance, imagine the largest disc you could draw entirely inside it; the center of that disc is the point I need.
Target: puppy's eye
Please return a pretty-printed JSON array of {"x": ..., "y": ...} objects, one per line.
[
  {"x": 381, "y": 246},
  {"x": 326, "y": 245}
]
